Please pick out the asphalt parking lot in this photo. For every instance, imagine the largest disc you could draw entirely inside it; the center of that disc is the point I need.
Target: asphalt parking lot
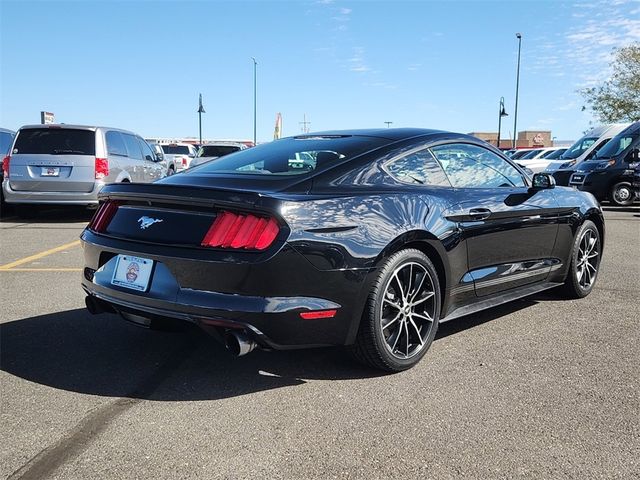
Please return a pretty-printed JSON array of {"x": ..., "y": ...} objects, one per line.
[{"x": 541, "y": 388}]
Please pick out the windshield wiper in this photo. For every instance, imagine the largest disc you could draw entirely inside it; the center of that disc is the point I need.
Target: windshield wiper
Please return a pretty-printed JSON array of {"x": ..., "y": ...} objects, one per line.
[{"x": 59, "y": 152}]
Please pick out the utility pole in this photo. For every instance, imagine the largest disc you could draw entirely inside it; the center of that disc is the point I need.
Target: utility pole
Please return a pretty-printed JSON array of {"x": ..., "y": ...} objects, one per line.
[
  {"x": 388, "y": 124},
  {"x": 515, "y": 111},
  {"x": 200, "y": 112},
  {"x": 255, "y": 98},
  {"x": 305, "y": 124}
]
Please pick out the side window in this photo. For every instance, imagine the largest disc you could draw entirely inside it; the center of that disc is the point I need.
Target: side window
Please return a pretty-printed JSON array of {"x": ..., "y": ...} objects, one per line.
[
  {"x": 115, "y": 144},
  {"x": 147, "y": 153},
  {"x": 133, "y": 147},
  {"x": 417, "y": 167},
  {"x": 593, "y": 152},
  {"x": 471, "y": 166}
]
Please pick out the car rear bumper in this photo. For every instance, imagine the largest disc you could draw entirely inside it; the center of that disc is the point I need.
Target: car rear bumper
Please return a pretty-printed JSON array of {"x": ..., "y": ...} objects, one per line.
[
  {"x": 264, "y": 299},
  {"x": 54, "y": 198}
]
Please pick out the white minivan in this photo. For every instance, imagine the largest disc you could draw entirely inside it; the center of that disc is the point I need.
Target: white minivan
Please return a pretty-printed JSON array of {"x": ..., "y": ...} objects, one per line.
[{"x": 582, "y": 150}]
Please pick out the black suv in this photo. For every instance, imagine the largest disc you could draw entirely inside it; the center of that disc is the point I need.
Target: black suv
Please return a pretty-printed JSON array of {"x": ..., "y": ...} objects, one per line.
[{"x": 609, "y": 175}]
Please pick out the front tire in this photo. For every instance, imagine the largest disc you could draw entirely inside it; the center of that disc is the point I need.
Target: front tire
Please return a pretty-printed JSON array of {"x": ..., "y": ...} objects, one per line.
[
  {"x": 585, "y": 262},
  {"x": 622, "y": 194},
  {"x": 401, "y": 315}
]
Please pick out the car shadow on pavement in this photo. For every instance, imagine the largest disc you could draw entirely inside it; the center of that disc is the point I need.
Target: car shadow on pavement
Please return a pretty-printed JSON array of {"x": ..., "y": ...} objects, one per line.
[
  {"x": 103, "y": 355},
  {"x": 45, "y": 214}
]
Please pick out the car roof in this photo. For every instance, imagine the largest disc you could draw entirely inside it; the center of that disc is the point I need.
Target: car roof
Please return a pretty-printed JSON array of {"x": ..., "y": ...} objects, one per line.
[
  {"x": 386, "y": 133},
  {"x": 75, "y": 127},
  {"x": 6, "y": 130}
]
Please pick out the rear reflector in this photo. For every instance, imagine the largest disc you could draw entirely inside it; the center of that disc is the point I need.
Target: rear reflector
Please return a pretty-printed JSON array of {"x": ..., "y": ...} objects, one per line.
[
  {"x": 318, "y": 314},
  {"x": 102, "y": 168},
  {"x": 103, "y": 217},
  {"x": 233, "y": 230},
  {"x": 5, "y": 166}
]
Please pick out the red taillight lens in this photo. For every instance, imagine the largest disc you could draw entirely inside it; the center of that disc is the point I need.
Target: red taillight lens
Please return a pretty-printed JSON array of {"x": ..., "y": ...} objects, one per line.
[
  {"x": 103, "y": 216},
  {"x": 184, "y": 161},
  {"x": 102, "y": 168},
  {"x": 318, "y": 314},
  {"x": 5, "y": 166},
  {"x": 233, "y": 230}
]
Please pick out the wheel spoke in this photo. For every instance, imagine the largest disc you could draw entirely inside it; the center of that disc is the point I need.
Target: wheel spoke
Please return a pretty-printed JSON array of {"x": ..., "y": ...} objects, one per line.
[
  {"x": 393, "y": 304},
  {"x": 426, "y": 317},
  {"x": 580, "y": 273},
  {"x": 395, "y": 342},
  {"x": 410, "y": 282},
  {"x": 395, "y": 275},
  {"x": 424, "y": 299},
  {"x": 418, "y": 288},
  {"x": 406, "y": 331},
  {"x": 589, "y": 266},
  {"x": 415, "y": 327},
  {"x": 592, "y": 255},
  {"x": 392, "y": 321}
]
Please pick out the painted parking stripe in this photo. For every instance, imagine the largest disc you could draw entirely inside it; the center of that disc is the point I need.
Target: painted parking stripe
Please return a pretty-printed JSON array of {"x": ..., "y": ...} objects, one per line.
[
  {"x": 37, "y": 256},
  {"x": 52, "y": 269}
]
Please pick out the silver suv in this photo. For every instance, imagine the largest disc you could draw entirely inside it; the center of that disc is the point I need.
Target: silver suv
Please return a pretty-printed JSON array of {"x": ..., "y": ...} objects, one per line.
[{"x": 69, "y": 164}]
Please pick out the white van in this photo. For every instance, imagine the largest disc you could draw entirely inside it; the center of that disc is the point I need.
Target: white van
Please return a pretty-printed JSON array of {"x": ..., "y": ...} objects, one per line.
[{"x": 582, "y": 150}]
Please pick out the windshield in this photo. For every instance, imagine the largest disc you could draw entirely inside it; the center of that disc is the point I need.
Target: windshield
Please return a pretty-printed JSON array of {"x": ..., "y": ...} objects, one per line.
[
  {"x": 55, "y": 141},
  {"x": 175, "y": 149},
  {"x": 553, "y": 154},
  {"x": 616, "y": 145},
  {"x": 217, "y": 150},
  {"x": 579, "y": 148},
  {"x": 5, "y": 142},
  {"x": 291, "y": 156},
  {"x": 530, "y": 155}
]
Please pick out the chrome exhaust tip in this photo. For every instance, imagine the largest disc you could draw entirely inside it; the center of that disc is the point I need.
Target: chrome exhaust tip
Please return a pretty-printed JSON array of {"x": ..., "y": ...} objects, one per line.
[{"x": 238, "y": 343}]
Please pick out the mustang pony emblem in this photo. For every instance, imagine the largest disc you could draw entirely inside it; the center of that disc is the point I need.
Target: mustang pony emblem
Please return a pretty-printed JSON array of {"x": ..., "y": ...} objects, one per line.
[{"x": 146, "y": 222}]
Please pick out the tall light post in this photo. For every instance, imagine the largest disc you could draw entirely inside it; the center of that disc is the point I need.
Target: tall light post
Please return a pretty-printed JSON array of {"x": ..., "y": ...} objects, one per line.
[
  {"x": 200, "y": 112},
  {"x": 388, "y": 124},
  {"x": 515, "y": 111},
  {"x": 255, "y": 97},
  {"x": 501, "y": 113}
]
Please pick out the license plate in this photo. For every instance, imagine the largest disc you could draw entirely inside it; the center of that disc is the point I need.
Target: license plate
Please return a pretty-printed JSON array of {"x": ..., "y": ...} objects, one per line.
[
  {"x": 132, "y": 272},
  {"x": 577, "y": 179},
  {"x": 50, "y": 172}
]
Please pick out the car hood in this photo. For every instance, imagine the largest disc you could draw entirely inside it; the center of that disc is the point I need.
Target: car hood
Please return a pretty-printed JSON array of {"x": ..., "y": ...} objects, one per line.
[{"x": 592, "y": 165}]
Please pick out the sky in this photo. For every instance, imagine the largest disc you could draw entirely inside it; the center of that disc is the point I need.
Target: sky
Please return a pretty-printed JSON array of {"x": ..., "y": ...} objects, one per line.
[{"x": 140, "y": 65}]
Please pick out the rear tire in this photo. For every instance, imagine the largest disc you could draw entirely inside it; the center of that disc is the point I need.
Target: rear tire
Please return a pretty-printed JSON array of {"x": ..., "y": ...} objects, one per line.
[
  {"x": 622, "y": 194},
  {"x": 585, "y": 262},
  {"x": 401, "y": 315},
  {"x": 171, "y": 171}
]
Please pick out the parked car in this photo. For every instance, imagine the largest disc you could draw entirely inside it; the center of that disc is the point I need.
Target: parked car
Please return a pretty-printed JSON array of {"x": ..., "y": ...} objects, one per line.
[
  {"x": 556, "y": 153},
  {"x": 6, "y": 139},
  {"x": 211, "y": 151},
  {"x": 537, "y": 159},
  {"x": 167, "y": 162},
  {"x": 609, "y": 174},
  {"x": 70, "y": 164},
  {"x": 389, "y": 233},
  {"x": 180, "y": 154},
  {"x": 521, "y": 152},
  {"x": 582, "y": 150}
]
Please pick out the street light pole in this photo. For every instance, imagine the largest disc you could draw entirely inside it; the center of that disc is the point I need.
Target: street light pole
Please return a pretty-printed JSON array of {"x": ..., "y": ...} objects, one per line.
[
  {"x": 200, "y": 112},
  {"x": 515, "y": 111},
  {"x": 388, "y": 124},
  {"x": 255, "y": 97},
  {"x": 501, "y": 113}
]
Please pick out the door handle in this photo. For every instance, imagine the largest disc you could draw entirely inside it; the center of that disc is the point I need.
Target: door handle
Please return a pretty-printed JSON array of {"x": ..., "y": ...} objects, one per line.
[{"x": 479, "y": 213}]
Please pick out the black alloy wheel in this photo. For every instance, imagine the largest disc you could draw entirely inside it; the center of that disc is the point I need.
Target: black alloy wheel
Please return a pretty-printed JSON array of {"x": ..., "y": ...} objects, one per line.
[
  {"x": 622, "y": 194},
  {"x": 585, "y": 262},
  {"x": 401, "y": 316}
]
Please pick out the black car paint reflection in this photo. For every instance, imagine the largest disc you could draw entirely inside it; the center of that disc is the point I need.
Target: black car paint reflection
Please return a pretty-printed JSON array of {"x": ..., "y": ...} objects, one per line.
[{"x": 337, "y": 225}]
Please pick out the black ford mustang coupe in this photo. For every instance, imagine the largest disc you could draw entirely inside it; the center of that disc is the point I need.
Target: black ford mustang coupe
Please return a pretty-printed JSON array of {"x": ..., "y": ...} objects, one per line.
[{"x": 365, "y": 238}]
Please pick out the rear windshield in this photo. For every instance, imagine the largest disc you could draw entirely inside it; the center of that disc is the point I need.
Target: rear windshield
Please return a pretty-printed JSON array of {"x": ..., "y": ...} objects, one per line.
[
  {"x": 217, "y": 150},
  {"x": 5, "y": 142},
  {"x": 176, "y": 149},
  {"x": 530, "y": 155},
  {"x": 579, "y": 148},
  {"x": 553, "y": 154},
  {"x": 292, "y": 156},
  {"x": 55, "y": 141}
]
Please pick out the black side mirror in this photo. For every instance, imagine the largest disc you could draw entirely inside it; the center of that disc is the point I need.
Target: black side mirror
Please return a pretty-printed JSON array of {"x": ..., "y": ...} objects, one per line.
[
  {"x": 633, "y": 156},
  {"x": 543, "y": 181},
  {"x": 149, "y": 158}
]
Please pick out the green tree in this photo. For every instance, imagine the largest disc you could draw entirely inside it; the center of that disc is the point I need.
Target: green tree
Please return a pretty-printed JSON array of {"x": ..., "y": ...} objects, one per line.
[{"x": 618, "y": 98}]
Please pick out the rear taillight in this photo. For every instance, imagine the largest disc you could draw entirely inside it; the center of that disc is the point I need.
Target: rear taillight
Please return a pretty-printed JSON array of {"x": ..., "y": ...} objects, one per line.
[
  {"x": 103, "y": 216},
  {"x": 234, "y": 230},
  {"x": 5, "y": 166},
  {"x": 184, "y": 162},
  {"x": 102, "y": 168}
]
